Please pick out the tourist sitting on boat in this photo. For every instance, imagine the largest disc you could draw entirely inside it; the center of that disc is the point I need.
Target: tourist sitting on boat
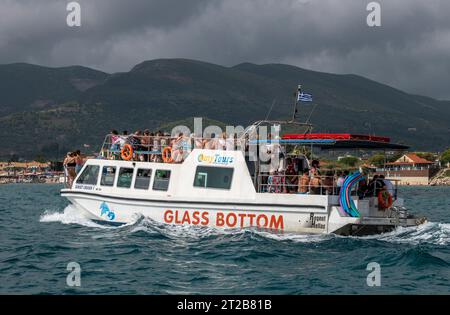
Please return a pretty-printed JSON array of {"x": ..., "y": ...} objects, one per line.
[
  {"x": 123, "y": 139},
  {"x": 291, "y": 176},
  {"x": 157, "y": 147},
  {"x": 164, "y": 140},
  {"x": 328, "y": 183},
  {"x": 303, "y": 186},
  {"x": 315, "y": 180},
  {"x": 135, "y": 141},
  {"x": 178, "y": 148},
  {"x": 147, "y": 145}
]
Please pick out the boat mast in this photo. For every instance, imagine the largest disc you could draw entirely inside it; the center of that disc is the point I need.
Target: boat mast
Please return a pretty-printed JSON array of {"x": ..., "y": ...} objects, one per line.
[{"x": 297, "y": 93}]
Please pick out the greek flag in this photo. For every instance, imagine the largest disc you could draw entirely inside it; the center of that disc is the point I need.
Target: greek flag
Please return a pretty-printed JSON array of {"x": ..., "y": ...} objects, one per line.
[{"x": 303, "y": 97}]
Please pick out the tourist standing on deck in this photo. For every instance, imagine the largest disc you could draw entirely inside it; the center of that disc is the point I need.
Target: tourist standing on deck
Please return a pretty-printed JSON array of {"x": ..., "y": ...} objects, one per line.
[
  {"x": 222, "y": 142},
  {"x": 178, "y": 148},
  {"x": 303, "y": 186},
  {"x": 70, "y": 164},
  {"x": 211, "y": 144},
  {"x": 291, "y": 176},
  {"x": 314, "y": 175},
  {"x": 79, "y": 160},
  {"x": 115, "y": 145},
  {"x": 146, "y": 145}
]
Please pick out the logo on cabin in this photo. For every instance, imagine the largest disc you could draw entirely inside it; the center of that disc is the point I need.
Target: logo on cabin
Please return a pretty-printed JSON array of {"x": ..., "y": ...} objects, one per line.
[
  {"x": 215, "y": 159},
  {"x": 104, "y": 209}
]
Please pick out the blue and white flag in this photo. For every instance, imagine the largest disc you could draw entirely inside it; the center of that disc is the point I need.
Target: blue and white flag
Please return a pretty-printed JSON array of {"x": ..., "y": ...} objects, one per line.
[{"x": 303, "y": 97}]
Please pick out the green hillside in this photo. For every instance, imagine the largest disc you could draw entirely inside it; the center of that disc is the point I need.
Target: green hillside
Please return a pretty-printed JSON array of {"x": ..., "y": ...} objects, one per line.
[
  {"x": 29, "y": 87},
  {"x": 53, "y": 110}
]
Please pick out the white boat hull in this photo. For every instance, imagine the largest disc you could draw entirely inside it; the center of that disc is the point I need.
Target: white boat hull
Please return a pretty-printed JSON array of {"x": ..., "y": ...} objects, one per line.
[{"x": 114, "y": 211}]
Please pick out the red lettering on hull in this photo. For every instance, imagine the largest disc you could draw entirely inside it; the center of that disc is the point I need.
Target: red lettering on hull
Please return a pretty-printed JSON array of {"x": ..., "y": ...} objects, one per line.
[{"x": 227, "y": 219}]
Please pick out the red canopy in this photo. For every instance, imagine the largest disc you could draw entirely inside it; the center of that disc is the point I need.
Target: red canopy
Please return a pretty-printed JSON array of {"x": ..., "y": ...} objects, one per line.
[{"x": 335, "y": 136}]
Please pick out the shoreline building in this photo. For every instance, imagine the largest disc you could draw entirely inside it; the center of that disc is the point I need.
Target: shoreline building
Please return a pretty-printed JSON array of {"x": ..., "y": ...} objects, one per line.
[{"x": 410, "y": 169}]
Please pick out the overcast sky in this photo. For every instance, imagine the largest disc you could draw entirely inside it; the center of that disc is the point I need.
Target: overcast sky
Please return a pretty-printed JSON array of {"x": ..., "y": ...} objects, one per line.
[{"x": 411, "y": 49}]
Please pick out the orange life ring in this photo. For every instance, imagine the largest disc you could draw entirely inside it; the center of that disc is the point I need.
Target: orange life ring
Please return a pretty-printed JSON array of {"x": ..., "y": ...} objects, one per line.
[
  {"x": 383, "y": 202},
  {"x": 127, "y": 152},
  {"x": 167, "y": 155}
]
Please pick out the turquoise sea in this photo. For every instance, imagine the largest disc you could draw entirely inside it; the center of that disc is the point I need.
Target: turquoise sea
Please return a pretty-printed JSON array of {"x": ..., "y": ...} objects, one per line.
[{"x": 41, "y": 234}]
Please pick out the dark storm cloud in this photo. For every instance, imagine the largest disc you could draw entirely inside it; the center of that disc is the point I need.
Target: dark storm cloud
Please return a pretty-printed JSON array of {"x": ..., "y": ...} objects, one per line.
[{"x": 410, "y": 50}]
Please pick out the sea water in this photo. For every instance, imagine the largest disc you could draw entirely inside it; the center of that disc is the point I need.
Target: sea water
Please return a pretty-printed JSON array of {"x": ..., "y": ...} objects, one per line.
[{"x": 41, "y": 234}]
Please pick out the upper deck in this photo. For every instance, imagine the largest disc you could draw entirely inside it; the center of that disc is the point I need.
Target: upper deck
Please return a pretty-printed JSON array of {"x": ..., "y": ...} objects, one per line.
[
  {"x": 241, "y": 167},
  {"x": 206, "y": 176}
]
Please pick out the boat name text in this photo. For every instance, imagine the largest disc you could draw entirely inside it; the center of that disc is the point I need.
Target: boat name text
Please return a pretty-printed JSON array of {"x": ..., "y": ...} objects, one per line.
[{"x": 221, "y": 219}]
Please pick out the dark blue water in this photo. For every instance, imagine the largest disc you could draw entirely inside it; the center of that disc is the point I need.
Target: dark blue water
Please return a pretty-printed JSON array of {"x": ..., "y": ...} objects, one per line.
[{"x": 40, "y": 235}]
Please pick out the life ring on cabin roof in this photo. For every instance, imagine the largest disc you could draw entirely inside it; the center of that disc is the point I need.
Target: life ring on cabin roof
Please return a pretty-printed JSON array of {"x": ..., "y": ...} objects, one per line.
[
  {"x": 167, "y": 155},
  {"x": 384, "y": 200},
  {"x": 127, "y": 152}
]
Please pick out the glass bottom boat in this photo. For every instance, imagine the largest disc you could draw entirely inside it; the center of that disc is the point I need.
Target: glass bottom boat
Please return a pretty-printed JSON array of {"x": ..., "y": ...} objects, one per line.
[{"x": 183, "y": 181}]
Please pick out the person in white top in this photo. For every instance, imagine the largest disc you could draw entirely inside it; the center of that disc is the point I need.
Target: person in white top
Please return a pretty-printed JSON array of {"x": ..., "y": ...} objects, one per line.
[
  {"x": 177, "y": 148},
  {"x": 222, "y": 142},
  {"x": 231, "y": 143}
]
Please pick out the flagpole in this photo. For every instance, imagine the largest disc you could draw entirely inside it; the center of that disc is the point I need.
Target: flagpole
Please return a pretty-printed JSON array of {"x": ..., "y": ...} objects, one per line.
[{"x": 299, "y": 88}]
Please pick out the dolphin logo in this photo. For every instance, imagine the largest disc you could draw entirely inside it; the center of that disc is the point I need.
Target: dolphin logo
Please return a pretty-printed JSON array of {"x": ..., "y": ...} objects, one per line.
[{"x": 104, "y": 209}]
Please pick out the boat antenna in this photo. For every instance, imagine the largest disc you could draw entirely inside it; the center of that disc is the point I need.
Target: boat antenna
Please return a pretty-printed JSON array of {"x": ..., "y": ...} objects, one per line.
[
  {"x": 270, "y": 109},
  {"x": 297, "y": 93},
  {"x": 310, "y": 114}
]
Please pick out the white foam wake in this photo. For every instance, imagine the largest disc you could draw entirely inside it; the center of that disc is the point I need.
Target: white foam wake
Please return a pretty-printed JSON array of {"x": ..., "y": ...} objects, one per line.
[
  {"x": 70, "y": 215},
  {"x": 427, "y": 233},
  {"x": 196, "y": 232}
]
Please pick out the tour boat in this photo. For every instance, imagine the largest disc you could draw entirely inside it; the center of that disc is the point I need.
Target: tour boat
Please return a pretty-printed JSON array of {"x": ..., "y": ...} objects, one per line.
[{"x": 225, "y": 188}]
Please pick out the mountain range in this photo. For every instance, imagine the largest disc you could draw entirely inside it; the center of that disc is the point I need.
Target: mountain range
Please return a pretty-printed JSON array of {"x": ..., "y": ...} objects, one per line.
[{"x": 48, "y": 111}]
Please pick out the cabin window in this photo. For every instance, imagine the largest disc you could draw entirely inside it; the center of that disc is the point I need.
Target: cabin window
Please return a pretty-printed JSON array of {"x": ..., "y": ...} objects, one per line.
[
  {"x": 89, "y": 175},
  {"x": 213, "y": 177},
  {"x": 108, "y": 176},
  {"x": 143, "y": 178},
  {"x": 162, "y": 178},
  {"x": 125, "y": 177}
]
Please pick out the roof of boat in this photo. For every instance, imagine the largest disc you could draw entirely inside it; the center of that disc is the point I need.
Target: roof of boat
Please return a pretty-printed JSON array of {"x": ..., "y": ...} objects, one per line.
[{"x": 338, "y": 141}]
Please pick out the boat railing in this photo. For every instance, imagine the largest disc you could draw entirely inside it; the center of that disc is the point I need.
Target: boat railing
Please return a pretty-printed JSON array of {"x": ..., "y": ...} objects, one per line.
[
  {"x": 151, "y": 148},
  {"x": 282, "y": 183},
  {"x": 317, "y": 185}
]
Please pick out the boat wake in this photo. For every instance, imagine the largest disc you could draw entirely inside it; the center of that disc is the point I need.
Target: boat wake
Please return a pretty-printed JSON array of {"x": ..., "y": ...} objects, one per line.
[
  {"x": 70, "y": 215},
  {"x": 428, "y": 233}
]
